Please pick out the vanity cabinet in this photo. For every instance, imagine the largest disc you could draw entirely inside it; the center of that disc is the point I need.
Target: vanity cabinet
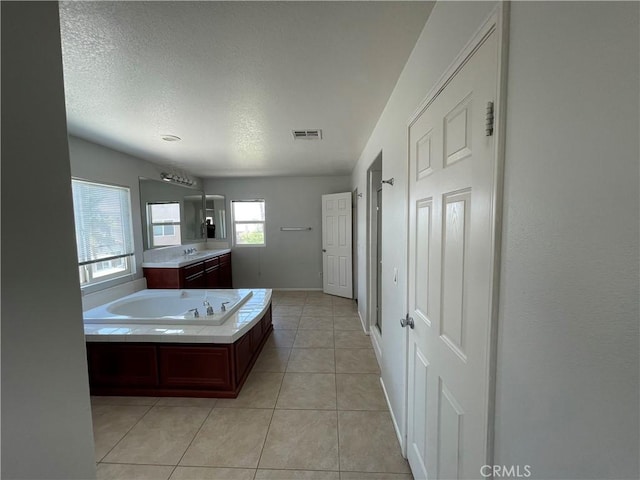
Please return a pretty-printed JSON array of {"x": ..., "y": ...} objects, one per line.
[
  {"x": 176, "y": 369},
  {"x": 225, "y": 271},
  {"x": 192, "y": 276},
  {"x": 211, "y": 273}
]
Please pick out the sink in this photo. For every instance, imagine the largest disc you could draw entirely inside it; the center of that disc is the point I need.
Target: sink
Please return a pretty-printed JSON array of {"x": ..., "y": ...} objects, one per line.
[{"x": 198, "y": 254}]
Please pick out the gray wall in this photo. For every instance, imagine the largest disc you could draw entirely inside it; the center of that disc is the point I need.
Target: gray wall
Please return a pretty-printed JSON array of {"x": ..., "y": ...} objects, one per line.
[
  {"x": 290, "y": 259},
  {"x": 567, "y": 391},
  {"x": 46, "y": 414}
]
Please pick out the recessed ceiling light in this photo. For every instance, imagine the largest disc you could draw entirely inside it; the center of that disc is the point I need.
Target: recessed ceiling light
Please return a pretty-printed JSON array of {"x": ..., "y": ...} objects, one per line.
[{"x": 170, "y": 138}]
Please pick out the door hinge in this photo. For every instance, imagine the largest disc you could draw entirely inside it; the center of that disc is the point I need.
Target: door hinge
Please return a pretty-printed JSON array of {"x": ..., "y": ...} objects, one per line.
[{"x": 489, "y": 119}]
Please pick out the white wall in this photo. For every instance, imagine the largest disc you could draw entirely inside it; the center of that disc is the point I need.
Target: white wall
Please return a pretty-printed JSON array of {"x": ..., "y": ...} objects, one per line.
[
  {"x": 46, "y": 414},
  {"x": 90, "y": 161},
  {"x": 449, "y": 27},
  {"x": 290, "y": 259},
  {"x": 567, "y": 391}
]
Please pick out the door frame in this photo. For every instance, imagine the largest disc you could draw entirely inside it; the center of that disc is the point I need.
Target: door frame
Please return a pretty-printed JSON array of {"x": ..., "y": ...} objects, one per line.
[
  {"x": 347, "y": 196},
  {"x": 498, "y": 22},
  {"x": 354, "y": 242},
  {"x": 374, "y": 170},
  {"x": 376, "y": 277}
]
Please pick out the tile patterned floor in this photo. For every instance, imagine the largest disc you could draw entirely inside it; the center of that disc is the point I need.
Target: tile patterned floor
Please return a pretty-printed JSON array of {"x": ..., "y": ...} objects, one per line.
[{"x": 312, "y": 408}]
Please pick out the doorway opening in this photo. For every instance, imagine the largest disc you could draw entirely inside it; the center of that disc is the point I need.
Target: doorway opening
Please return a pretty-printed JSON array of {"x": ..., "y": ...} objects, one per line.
[
  {"x": 354, "y": 242},
  {"x": 374, "y": 254},
  {"x": 379, "y": 259}
]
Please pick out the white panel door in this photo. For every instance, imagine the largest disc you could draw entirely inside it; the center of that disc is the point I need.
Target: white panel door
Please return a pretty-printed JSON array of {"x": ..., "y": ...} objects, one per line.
[
  {"x": 337, "y": 271},
  {"x": 452, "y": 171}
]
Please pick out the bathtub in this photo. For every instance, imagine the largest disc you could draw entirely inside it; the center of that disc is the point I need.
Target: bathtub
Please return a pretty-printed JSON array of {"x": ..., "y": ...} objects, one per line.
[
  {"x": 150, "y": 344},
  {"x": 170, "y": 307}
]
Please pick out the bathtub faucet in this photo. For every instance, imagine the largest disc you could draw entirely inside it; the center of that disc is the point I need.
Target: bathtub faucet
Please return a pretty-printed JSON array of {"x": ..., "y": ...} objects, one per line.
[
  {"x": 195, "y": 312},
  {"x": 223, "y": 306},
  {"x": 209, "y": 307}
]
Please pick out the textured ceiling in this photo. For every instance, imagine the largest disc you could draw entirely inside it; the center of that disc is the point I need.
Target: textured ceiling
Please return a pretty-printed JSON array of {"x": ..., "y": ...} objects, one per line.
[{"x": 232, "y": 79}]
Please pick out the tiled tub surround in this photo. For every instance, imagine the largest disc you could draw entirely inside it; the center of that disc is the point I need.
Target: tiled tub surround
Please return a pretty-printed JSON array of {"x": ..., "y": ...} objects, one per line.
[
  {"x": 312, "y": 408},
  {"x": 234, "y": 327},
  {"x": 182, "y": 359},
  {"x": 171, "y": 307}
]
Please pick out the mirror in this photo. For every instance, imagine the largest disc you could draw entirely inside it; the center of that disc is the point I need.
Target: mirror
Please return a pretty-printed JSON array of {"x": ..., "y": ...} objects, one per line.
[
  {"x": 216, "y": 217},
  {"x": 172, "y": 214}
]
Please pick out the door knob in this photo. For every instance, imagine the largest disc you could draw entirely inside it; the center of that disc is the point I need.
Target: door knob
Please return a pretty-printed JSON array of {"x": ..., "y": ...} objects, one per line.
[
  {"x": 407, "y": 321},
  {"x": 324, "y": 250}
]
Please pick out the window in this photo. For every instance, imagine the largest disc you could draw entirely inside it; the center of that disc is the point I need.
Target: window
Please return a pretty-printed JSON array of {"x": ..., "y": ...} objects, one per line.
[
  {"x": 164, "y": 220},
  {"x": 248, "y": 222},
  {"x": 104, "y": 238}
]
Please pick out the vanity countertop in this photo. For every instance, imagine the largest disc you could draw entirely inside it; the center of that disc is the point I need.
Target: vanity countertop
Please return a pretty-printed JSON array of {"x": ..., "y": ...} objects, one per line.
[{"x": 184, "y": 260}]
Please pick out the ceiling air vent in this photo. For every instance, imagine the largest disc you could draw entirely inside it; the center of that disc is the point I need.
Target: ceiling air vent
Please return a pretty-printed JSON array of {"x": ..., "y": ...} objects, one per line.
[{"x": 307, "y": 134}]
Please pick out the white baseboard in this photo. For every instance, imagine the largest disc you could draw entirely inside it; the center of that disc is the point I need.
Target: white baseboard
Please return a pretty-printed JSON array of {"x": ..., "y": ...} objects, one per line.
[
  {"x": 364, "y": 325},
  {"x": 296, "y": 289},
  {"x": 376, "y": 341},
  {"x": 393, "y": 418}
]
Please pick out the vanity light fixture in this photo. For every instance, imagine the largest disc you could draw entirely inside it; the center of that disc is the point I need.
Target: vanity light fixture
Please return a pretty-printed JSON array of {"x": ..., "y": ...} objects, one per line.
[{"x": 175, "y": 178}]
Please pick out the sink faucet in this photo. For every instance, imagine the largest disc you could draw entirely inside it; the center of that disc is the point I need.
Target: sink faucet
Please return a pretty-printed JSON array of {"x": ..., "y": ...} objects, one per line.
[
  {"x": 209, "y": 307},
  {"x": 223, "y": 307}
]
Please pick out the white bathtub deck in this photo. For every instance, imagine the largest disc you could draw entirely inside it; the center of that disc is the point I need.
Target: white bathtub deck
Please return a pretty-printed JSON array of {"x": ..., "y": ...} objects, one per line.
[{"x": 233, "y": 328}]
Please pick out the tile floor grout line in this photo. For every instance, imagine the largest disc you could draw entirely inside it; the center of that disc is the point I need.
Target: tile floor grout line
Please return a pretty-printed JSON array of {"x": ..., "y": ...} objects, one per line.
[
  {"x": 139, "y": 464},
  {"x": 273, "y": 411},
  {"x": 335, "y": 363},
  {"x": 127, "y": 432},
  {"x": 194, "y": 437},
  {"x": 175, "y": 467}
]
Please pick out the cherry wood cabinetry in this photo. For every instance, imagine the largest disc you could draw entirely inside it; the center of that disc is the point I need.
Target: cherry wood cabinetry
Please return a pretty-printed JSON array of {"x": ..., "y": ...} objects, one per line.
[
  {"x": 194, "y": 366},
  {"x": 212, "y": 273},
  {"x": 192, "y": 276},
  {"x": 176, "y": 369},
  {"x": 225, "y": 271},
  {"x": 123, "y": 364}
]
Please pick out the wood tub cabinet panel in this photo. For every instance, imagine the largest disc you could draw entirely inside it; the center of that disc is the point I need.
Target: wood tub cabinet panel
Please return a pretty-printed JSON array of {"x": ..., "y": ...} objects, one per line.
[
  {"x": 123, "y": 364},
  {"x": 176, "y": 369},
  {"x": 195, "y": 366}
]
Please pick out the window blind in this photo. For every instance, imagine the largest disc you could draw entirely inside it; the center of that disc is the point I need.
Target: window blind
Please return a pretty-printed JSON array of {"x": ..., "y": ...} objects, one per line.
[{"x": 103, "y": 221}]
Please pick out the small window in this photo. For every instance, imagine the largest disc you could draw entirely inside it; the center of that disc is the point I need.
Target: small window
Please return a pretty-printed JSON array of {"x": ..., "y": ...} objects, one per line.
[
  {"x": 164, "y": 220},
  {"x": 248, "y": 222},
  {"x": 104, "y": 238}
]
